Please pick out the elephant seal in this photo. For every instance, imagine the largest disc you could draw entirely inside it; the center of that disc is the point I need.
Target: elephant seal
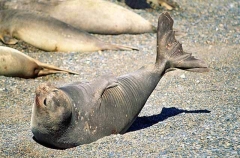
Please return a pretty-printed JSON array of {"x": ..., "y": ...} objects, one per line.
[
  {"x": 81, "y": 113},
  {"x": 48, "y": 33},
  {"x": 93, "y": 16},
  {"x": 14, "y": 63}
]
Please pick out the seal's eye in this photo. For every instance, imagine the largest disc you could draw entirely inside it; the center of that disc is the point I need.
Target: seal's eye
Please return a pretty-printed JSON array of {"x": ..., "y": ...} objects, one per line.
[{"x": 45, "y": 101}]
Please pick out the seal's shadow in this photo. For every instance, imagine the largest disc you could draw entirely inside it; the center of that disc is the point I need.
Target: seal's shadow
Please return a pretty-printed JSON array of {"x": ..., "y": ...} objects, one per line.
[
  {"x": 46, "y": 145},
  {"x": 147, "y": 121}
]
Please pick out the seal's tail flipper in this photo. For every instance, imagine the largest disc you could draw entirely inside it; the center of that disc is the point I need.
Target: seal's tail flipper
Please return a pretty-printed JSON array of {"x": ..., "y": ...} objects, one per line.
[{"x": 170, "y": 50}]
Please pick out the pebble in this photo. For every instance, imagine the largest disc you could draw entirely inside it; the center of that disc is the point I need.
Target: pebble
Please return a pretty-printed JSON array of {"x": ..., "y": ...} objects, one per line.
[{"x": 183, "y": 76}]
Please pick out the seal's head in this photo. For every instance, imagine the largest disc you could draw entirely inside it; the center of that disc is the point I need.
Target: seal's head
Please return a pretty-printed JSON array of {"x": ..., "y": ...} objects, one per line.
[{"x": 51, "y": 114}]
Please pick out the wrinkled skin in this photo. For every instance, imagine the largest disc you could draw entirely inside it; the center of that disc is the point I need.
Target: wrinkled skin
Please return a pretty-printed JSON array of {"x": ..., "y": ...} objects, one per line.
[{"x": 89, "y": 111}]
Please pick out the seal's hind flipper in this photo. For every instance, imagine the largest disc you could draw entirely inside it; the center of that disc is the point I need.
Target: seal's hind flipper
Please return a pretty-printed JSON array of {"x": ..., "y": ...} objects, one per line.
[
  {"x": 7, "y": 39},
  {"x": 50, "y": 69},
  {"x": 168, "y": 48},
  {"x": 118, "y": 47},
  {"x": 45, "y": 72}
]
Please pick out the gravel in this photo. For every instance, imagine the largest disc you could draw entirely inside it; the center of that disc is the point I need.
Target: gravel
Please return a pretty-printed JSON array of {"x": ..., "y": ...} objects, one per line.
[{"x": 187, "y": 115}]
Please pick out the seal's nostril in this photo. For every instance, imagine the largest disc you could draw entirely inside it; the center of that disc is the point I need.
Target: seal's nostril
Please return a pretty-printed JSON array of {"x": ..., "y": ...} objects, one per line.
[{"x": 45, "y": 102}]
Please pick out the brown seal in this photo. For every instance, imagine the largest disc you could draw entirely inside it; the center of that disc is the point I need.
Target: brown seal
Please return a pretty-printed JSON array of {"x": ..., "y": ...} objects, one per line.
[
  {"x": 48, "y": 33},
  {"x": 81, "y": 113},
  {"x": 14, "y": 63},
  {"x": 94, "y": 16}
]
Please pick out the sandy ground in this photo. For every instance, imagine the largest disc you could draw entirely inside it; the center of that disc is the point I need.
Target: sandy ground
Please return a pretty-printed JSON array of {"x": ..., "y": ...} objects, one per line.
[{"x": 188, "y": 114}]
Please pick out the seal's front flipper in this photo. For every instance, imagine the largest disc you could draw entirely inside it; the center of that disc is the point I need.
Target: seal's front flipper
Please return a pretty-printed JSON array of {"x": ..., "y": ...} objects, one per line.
[
  {"x": 8, "y": 39},
  {"x": 111, "y": 81},
  {"x": 170, "y": 50},
  {"x": 99, "y": 86}
]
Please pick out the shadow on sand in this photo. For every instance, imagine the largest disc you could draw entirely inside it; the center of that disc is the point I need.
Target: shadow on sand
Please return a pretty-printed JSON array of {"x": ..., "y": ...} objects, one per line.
[{"x": 147, "y": 121}]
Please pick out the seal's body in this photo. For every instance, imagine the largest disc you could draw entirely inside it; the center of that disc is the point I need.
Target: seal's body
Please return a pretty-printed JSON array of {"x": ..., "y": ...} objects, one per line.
[
  {"x": 94, "y": 16},
  {"x": 14, "y": 63},
  {"x": 81, "y": 113},
  {"x": 48, "y": 33}
]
